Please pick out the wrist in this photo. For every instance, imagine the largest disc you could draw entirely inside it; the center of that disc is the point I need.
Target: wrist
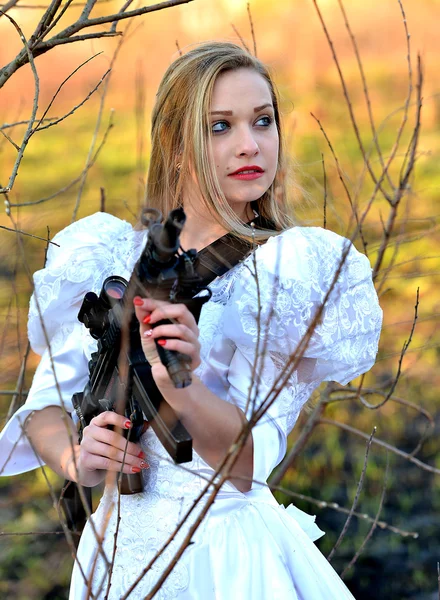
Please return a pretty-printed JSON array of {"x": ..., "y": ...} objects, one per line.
[
  {"x": 74, "y": 470},
  {"x": 181, "y": 400}
]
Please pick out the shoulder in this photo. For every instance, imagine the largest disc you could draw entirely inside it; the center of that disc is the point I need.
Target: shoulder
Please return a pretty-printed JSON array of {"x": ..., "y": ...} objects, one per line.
[
  {"x": 310, "y": 253},
  {"x": 98, "y": 234},
  {"x": 97, "y": 228}
]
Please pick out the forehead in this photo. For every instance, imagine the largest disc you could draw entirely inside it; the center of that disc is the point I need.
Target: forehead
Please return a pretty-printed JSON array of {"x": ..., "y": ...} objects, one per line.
[{"x": 240, "y": 87}]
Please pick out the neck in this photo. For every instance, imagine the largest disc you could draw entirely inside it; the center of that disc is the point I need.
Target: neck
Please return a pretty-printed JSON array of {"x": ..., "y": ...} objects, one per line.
[{"x": 200, "y": 230}]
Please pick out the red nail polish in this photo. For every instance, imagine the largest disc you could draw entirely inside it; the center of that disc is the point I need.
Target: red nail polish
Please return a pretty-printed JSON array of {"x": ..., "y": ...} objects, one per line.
[
  {"x": 127, "y": 424},
  {"x": 146, "y": 319},
  {"x": 141, "y": 454},
  {"x": 137, "y": 301},
  {"x": 135, "y": 469},
  {"x": 161, "y": 342}
]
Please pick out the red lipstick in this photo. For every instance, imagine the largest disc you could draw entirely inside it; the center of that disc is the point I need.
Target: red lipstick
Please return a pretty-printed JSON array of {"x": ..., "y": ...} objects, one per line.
[{"x": 247, "y": 173}]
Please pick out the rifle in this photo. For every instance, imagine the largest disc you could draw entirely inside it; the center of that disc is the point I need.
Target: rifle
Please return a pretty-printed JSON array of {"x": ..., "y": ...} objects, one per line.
[
  {"x": 119, "y": 375},
  {"x": 166, "y": 274}
]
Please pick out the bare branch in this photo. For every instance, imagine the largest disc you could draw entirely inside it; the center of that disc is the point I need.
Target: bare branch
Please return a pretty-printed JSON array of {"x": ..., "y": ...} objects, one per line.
[
  {"x": 302, "y": 440},
  {"x": 28, "y": 132},
  {"x": 356, "y": 498},
  {"x": 243, "y": 43},
  {"x": 365, "y": 88},
  {"x": 353, "y": 120},
  {"x": 4, "y": 9},
  {"x": 10, "y": 140},
  {"x": 67, "y": 35},
  {"x": 60, "y": 87},
  {"x": 383, "y": 444},
  {"x": 402, "y": 354},
  {"x": 251, "y": 23},
  {"x": 373, "y": 526},
  {"x": 75, "y": 108},
  {"x": 88, "y": 166},
  {"x": 342, "y": 180}
]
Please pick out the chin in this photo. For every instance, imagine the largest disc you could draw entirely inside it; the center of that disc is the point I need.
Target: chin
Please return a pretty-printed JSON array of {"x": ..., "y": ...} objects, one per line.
[{"x": 244, "y": 198}]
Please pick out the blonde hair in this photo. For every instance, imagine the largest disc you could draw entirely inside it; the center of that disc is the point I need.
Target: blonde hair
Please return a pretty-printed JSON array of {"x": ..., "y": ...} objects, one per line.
[{"x": 180, "y": 140}]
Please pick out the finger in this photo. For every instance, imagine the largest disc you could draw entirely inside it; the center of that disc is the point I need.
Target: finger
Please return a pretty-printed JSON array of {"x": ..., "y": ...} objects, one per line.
[
  {"x": 95, "y": 462},
  {"x": 95, "y": 448},
  {"x": 139, "y": 308},
  {"x": 111, "y": 438},
  {"x": 109, "y": 417},
  {"x": 149, "y": 347},
  {"x": 178, "y": 312},
  {"x": 181, "y": 332},
  {"x": 185, "y": 348}
]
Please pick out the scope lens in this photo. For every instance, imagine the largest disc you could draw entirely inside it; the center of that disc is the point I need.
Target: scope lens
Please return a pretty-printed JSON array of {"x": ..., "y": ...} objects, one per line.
[{"x": 114, "y": 289}]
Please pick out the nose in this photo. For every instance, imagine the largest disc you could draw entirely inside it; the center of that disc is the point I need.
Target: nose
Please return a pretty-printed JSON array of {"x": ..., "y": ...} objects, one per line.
[{"x": 246, "y": 143}]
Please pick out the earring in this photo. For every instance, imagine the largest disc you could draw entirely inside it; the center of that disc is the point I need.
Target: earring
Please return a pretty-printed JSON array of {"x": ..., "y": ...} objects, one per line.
[{"x": 178, "y": 167}]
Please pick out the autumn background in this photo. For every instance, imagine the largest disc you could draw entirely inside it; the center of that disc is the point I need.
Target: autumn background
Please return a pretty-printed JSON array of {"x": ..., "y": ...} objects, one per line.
[{"x": 112, "y": 129}]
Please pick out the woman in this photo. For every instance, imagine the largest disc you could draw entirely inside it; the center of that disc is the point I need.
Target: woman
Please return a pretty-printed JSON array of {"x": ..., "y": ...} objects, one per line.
[{"x": 216, "y": 150}]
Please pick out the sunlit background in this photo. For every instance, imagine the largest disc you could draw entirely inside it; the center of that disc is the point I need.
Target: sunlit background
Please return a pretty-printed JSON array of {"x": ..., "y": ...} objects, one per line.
[{"x": 290, "y": 38}]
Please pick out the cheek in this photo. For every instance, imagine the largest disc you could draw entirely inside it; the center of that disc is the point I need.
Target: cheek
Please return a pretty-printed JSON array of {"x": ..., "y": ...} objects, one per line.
[{"x": 217, "y": 155}]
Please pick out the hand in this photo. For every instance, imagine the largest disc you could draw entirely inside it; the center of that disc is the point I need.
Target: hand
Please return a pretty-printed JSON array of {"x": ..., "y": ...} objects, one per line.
[
  {"x": 182, "y": 335},
  {"x": 103, "y": 450}
]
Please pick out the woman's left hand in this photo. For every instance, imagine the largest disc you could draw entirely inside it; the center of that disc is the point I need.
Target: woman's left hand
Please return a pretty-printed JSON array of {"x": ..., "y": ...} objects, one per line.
[{"x": 182, "y": 335}]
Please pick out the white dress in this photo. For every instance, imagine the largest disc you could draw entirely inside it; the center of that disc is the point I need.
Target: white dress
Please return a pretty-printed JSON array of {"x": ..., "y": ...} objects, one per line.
[{"x": 247, "y": 547}]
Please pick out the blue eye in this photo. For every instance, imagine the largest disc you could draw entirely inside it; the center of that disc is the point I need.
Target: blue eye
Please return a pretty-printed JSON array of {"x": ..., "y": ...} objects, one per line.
[
  {"x": 264, "y": 121},
  {"x": 219, "y": 127}
]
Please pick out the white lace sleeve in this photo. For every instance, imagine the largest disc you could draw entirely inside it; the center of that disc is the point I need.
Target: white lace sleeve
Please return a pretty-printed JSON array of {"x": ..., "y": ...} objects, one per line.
[
  {"x": 89, "y": 251},
  {"x": 268, "y": 315}
]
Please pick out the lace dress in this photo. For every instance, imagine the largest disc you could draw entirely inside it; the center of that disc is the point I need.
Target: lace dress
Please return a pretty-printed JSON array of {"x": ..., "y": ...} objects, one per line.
[{"x": 247, "y": 546}]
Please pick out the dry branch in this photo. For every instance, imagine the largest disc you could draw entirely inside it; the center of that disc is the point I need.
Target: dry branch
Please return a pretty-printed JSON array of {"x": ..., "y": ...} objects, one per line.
[
  {"x": 356, "y": 498},
  {"x": 373, "y": 526},
  {"x": 38, "y": 47}
]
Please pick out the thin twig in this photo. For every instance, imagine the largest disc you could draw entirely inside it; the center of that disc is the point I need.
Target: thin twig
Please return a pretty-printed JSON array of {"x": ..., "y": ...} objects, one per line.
[
  {"x": 344, "y": 185},
  {"x": 373, "y": 526},
  {"x": 346, "y": 93},
  {"x": 72, "y": 183},
  {"x": 10, "y": 140},
  {"x": 306, "y": 432},
  {"x": 402, "y": 354},
  {"x": 365, "y": 89},
  {"x": 18, "y": 231},
  {"x": 383, "y": 444},
  {"x": 251, "y": 23},
  {"x": 237, "y": 33},
  {"x": 356, "y": 498},
  {"x": 28, "y": 132}
]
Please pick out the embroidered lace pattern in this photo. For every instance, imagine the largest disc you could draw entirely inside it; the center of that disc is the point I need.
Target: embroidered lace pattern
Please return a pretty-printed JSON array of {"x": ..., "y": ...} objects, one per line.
[{"x": 289, "y": 293}]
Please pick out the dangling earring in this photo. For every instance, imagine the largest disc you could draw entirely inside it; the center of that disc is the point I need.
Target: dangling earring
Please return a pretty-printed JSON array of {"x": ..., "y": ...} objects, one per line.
[{"x": 178, "y": 167}]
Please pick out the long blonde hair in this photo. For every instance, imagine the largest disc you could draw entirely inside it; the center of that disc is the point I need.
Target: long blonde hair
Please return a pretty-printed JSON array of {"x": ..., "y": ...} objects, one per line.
[{"x": 180, "y": 140}]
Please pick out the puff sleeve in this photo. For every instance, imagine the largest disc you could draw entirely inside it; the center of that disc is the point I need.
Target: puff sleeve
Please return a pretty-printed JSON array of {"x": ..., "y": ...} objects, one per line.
[
  {"x": 86, "y": 253},
  {"x": 272, "y": 304}
]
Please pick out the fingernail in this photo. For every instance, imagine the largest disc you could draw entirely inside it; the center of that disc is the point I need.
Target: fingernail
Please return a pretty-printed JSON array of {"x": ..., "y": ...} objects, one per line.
[
  {"x": 148, "y": 333},
  {"x": 127, "y": 424},
  {"x": 146, "y": 319},
  {"x": 144, "y": 465},
  {"x": 161, "y": 342},
  {"x": 137, "y": 301},
  {"x": 141, "y": 454},
  {"x": 135, "y": 469}
]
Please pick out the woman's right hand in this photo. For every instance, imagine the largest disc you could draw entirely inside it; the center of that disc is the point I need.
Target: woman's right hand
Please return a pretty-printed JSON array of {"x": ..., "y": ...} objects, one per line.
[{"x": 103, "y": 450}]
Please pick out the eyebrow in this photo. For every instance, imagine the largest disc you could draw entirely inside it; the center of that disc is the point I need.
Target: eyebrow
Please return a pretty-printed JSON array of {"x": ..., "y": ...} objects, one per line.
[{"x": 229, "y": 113}]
